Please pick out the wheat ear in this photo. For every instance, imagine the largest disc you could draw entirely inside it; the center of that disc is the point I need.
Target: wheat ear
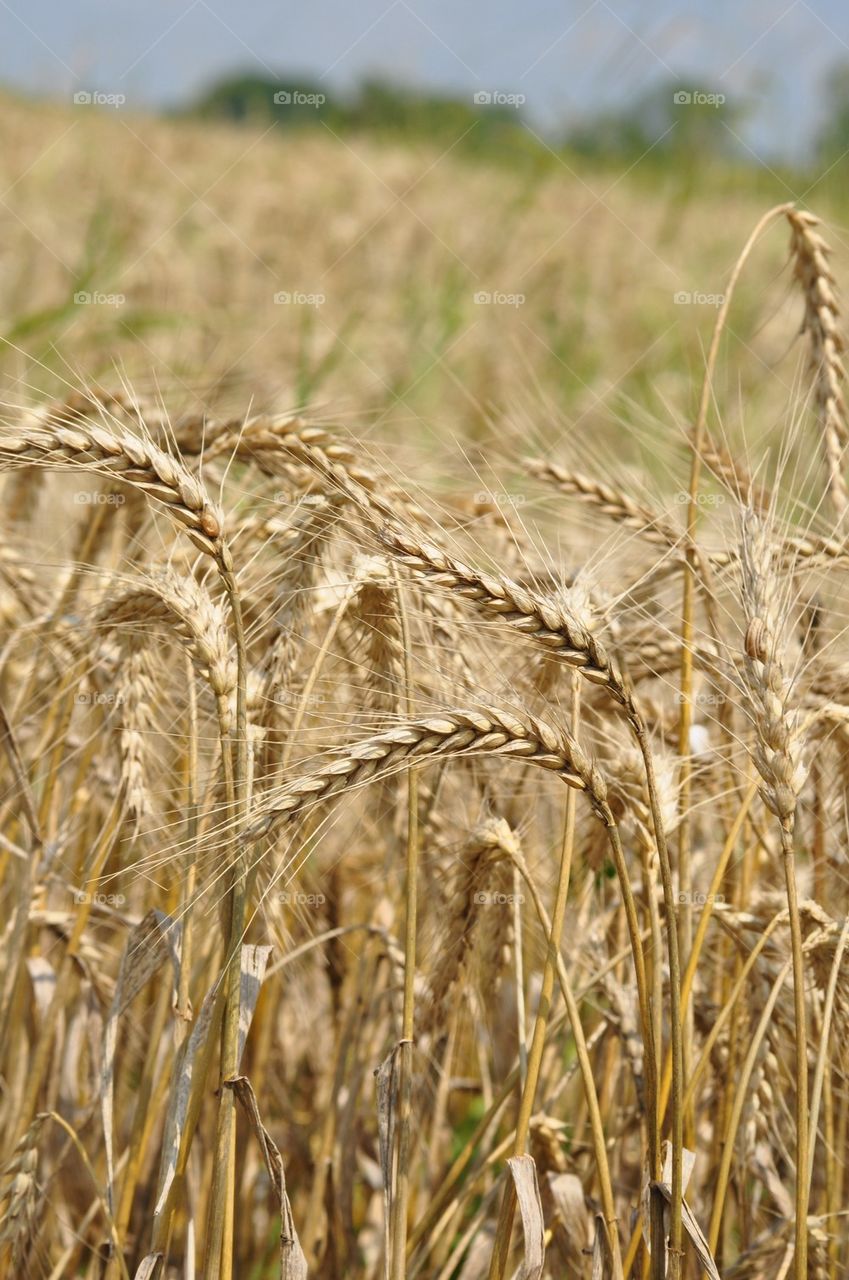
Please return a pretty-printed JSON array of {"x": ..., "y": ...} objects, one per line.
[
  {"x": 278, "y": 442},
  {"x": 455, "y": 733},
  {"x": 611, "y": 502},
  {"x": 812, "y": 269},
  {"x": 185, "y": 608},
  {"x": 122, "y": 456},
  {"x": 546, "y": 621}
]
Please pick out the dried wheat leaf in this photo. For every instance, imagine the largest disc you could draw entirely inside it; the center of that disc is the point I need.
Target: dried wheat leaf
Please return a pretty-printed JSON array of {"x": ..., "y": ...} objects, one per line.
[
  {"x": 254, "y": 961},
  {"x": 601, "y": 1254},
  {"x": 190, "y": 1070},
  {"x": 148, "y": 946},
  {"x": 43, "y": 979},
  {"x": 565, "y": 1207},
  {"x": 196, "y": 1045},
  {"x": 385, "y": 1076},
  {"x": 149, "y": 1267},
  {"x": 524, "y": 1172},
  {"x": 691, "y": 1226},
  {"x": 293, "y": 1264}
]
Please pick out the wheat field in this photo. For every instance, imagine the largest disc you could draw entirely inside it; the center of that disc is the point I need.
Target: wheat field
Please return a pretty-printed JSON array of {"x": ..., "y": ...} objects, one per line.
[{"x": 423, "y": 709}]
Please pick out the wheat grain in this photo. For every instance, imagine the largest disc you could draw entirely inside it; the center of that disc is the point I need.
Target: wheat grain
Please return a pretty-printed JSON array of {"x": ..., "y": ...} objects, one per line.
[{"x": 779, "y": 754}]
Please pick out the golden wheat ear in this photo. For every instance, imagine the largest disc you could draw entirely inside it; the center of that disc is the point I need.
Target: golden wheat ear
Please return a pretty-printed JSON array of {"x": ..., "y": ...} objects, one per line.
[{"x": 821, "y": 323}]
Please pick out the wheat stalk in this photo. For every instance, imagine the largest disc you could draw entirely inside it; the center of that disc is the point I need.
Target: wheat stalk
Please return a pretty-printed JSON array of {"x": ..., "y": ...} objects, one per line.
[{"x": 779, "y": 758}]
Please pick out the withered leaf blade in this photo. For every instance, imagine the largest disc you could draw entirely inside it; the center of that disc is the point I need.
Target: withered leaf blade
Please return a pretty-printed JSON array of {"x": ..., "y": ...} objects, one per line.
[
  {"x": 254, "y": 961},
  {"x": 688, "y": 1219},
  {"x": 180, "y": 1095},
  {"x": 601, "y": 1269},
  {"x": 564, "y": 1205},
  {"x": 293, "y": 1264},
  {"x": 524, "y": 1172},
  {"x": 385, "y": 1076},
  {"x": 149, "y": 1267},
  {"x": 152, "y": 941}
]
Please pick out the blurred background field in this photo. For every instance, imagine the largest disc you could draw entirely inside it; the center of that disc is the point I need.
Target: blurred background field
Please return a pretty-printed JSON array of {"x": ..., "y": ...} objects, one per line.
[{"x": 416, "y": 266}]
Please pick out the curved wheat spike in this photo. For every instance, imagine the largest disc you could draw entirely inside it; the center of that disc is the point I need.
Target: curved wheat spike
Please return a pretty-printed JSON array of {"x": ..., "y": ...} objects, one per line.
[
  {"x": 614, "y": 503},
  {"x": 184, "y": 608},
  {"x": 547, "y": 621},
  {"x": 122, "y": 456},
  {"x": 277, "y": 442},
  {"x": 455, "y": 733},
  {"x": 821, "y": 323}
]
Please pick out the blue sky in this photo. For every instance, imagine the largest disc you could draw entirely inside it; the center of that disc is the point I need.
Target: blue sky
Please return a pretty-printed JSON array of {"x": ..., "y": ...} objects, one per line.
[{"x": 566, "y": 59}]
